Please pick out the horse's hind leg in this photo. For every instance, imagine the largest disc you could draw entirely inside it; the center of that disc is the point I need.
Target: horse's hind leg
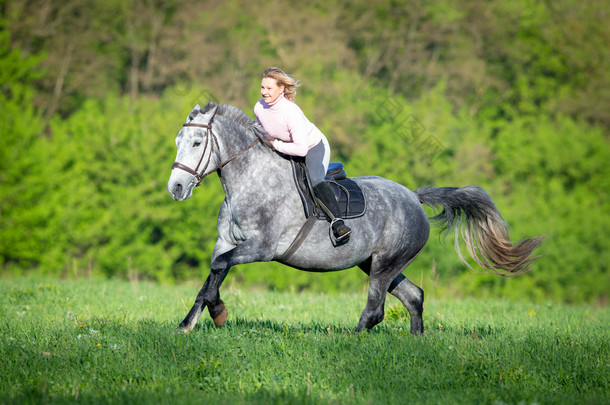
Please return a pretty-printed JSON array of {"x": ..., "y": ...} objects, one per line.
[
  {"x": 412, "y": 297},
  {"x": 408, "y": 293},
  {"x": 373, "y": 312},
  {"x": 381, "y": 275}
]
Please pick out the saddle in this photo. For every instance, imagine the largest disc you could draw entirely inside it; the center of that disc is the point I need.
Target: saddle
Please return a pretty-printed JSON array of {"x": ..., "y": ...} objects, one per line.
[
  {"x": 349, "y": 196},
  {"x": 348, "y": 193}
]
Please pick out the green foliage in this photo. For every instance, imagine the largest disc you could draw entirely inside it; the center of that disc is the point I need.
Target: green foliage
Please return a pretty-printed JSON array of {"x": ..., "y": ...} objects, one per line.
[
  {"x": 20, "y": 126},
  {"x": 115, "y": 342},
  {"x": 511, "y": 97},
  {"x": 117, "y": 156}
]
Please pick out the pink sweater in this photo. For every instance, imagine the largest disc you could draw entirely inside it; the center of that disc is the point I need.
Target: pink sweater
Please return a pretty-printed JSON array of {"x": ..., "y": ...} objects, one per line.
[{"x": 294, "y": 134}]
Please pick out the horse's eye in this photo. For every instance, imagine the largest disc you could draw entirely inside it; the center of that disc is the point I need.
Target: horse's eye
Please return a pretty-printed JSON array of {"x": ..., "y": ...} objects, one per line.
[{"x": 196, "y": 144}]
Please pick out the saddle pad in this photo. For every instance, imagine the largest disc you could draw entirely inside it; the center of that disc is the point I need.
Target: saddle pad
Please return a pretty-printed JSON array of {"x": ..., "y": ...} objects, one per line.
[{"x": 348, "y": 193}]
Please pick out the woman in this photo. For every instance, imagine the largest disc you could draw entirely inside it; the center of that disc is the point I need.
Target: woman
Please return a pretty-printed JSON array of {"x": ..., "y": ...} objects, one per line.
[{"x": 293, "y": 134}]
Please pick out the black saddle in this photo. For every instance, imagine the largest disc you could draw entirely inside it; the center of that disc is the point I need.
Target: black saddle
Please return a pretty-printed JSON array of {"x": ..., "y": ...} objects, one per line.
[{"x": 348, "y": 193}]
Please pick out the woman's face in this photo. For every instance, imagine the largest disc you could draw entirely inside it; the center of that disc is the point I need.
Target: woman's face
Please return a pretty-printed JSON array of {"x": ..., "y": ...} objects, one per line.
[{"x": 270, "y": 90}]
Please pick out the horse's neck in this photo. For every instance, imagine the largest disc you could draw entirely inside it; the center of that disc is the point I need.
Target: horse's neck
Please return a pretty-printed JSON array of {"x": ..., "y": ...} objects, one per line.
[{"x": 253, "y": 174}]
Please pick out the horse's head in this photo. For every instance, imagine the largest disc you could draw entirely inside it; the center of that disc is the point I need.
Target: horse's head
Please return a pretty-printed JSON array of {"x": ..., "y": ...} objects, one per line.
[{"x": 195, "y": 157}]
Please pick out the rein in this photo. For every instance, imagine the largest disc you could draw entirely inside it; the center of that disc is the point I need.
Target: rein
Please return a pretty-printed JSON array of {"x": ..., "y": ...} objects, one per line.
[{"x": 209, "y": 141}]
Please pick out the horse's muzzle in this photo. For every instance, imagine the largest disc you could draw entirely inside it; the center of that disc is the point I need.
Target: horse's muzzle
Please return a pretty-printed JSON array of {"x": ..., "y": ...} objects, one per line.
[{"x": 179, "y": 191}]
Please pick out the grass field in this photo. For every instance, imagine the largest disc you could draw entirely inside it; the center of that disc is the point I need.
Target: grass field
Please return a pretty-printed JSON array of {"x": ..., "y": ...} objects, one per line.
[{"x": 92, "y": 341}]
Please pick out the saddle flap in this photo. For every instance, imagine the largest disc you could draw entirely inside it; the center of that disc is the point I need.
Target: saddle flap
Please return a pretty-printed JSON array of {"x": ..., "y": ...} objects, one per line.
[
  {"x": 347, "y": 192},
  {"x": 349, "y": 196}
]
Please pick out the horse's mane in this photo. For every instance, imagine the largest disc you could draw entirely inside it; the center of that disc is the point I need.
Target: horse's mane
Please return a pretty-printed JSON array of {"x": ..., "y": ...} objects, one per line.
[{"x": 236, "y": 115}]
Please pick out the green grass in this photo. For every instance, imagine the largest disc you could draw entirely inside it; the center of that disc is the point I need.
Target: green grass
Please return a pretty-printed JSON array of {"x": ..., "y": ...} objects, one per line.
[{"x": 92, "y": 341}]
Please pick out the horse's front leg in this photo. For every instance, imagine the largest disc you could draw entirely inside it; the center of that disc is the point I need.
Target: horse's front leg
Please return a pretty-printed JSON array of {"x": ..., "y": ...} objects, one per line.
[
  {"x": 201, "y": 301},
  {"x": 251, "y": 250},
  {"x": 192, "y": 317}
]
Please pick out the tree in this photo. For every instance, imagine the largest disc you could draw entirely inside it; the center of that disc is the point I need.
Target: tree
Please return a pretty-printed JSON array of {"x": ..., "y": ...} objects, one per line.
[{"x": 20, "y": 127}]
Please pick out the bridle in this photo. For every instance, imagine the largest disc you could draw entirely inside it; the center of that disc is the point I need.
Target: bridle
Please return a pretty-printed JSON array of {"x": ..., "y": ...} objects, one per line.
[{"x": 210, "y": 141}]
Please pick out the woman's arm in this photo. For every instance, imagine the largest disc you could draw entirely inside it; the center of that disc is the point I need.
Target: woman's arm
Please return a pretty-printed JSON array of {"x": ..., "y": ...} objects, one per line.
[{"x": 299, "y": 128}]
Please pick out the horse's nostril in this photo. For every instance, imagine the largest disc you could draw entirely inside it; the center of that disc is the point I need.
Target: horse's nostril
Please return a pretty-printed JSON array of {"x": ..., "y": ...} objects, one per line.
[{"x": 177, "y": 189}]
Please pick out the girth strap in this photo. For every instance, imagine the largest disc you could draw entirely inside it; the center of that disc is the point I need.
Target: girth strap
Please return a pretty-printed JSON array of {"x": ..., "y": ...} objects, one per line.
[{"x": 299, "y": 239}]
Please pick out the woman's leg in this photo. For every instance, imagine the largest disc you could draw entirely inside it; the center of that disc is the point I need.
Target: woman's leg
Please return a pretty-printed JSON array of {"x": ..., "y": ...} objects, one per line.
[{"x": 317, "y": 160}]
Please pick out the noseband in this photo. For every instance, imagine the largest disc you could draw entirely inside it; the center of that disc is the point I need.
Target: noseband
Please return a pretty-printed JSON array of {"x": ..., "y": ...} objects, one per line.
[{"x": 210, "y": 141}]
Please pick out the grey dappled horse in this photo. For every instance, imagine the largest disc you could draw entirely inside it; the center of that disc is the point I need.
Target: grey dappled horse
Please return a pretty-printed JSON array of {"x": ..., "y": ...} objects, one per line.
[{"x": 262, "y": 213}]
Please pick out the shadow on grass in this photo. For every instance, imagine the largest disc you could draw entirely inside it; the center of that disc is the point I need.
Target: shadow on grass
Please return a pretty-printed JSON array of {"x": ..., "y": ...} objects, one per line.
[
  {"x": 161, "y": 396},
  {"x": 312, "y": 327}
]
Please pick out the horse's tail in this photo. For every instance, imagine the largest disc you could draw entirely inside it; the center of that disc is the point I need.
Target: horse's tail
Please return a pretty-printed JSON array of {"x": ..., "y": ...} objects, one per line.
[{"x": 484, "y": 231}]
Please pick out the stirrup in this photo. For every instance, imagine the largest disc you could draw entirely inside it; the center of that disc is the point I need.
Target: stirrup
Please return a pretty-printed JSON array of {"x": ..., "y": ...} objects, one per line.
[{"x": 343, "y": 237}]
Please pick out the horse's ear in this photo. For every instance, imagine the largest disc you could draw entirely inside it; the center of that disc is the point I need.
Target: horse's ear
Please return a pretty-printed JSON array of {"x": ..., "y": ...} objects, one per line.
[
  {"x": 193, "y": 114},
  {"x": 209, "y": 114}
]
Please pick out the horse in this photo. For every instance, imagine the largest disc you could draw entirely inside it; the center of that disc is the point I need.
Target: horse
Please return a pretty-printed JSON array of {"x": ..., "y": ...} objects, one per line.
[{"x": 262, "y": 214}]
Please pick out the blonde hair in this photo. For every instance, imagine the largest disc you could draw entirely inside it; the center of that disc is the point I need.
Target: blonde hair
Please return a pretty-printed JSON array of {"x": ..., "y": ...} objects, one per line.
[{"x": 282, "y": 79}]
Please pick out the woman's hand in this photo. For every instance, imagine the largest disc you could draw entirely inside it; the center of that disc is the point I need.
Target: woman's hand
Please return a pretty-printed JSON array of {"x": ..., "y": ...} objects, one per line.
[{"x": 268, "y": 140}]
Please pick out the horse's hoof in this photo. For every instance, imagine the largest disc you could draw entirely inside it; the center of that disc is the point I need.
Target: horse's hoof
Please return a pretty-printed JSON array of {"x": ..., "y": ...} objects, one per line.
[
  {"x": 181, "y": 331},
  {"x": 222, "y": 317}
]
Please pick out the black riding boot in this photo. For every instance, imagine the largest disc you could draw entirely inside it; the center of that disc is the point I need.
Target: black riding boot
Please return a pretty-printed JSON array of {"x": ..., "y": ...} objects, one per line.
[{"x": 340, "y": 230}]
